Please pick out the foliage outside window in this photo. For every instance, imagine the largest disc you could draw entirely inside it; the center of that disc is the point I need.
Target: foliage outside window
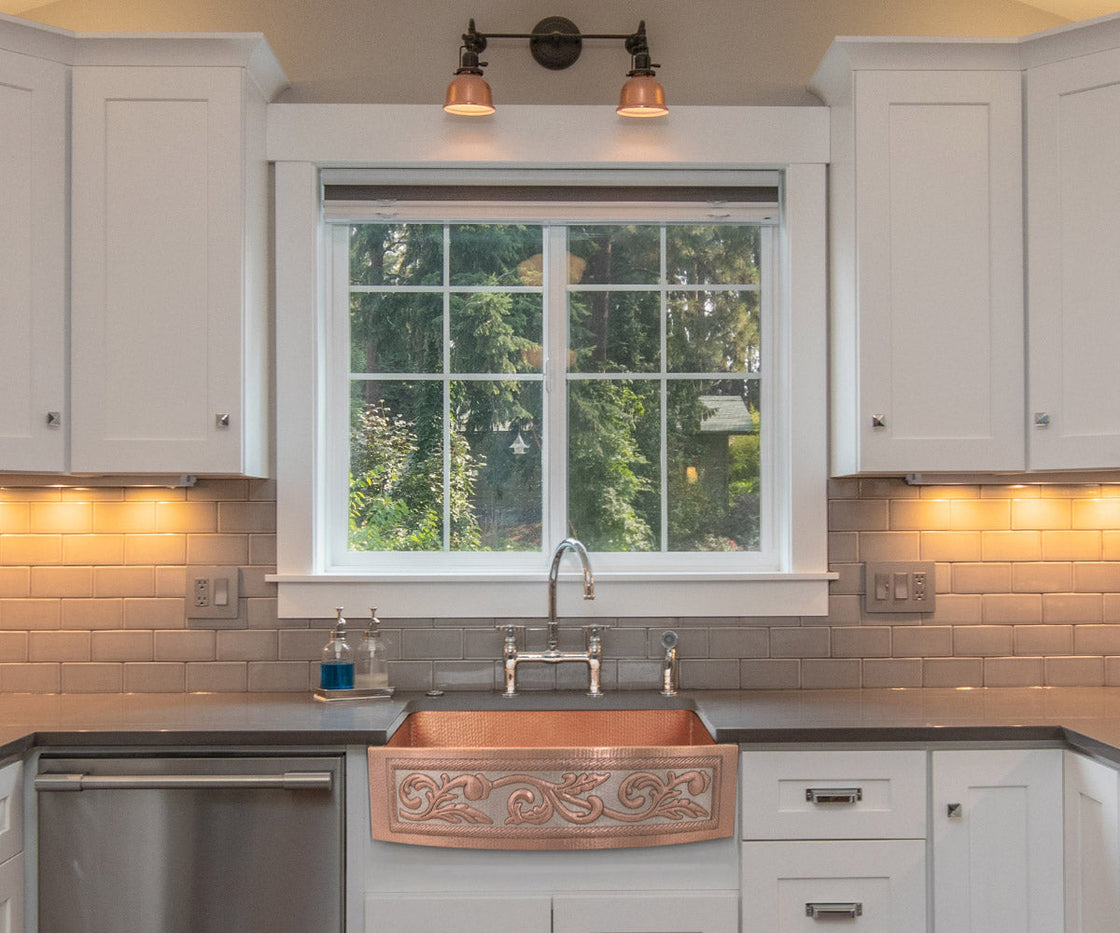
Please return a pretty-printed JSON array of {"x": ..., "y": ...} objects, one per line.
[{"x": 513, "y": 383}]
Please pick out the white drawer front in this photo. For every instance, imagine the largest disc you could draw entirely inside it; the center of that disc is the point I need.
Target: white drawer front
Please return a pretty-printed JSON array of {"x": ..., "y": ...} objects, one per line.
[
  {"x": 807, "y": 887},
  {"x": 457, "y": 913},
  {"x": 834, "y": 795}
]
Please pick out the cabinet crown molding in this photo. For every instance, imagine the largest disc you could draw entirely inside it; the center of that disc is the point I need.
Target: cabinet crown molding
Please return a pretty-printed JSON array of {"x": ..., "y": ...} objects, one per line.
[{"x": 248, "y": 50}]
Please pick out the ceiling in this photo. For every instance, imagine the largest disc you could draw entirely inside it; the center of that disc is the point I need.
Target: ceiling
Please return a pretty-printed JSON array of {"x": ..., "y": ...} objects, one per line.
[{"x": 1075, "y": 10}]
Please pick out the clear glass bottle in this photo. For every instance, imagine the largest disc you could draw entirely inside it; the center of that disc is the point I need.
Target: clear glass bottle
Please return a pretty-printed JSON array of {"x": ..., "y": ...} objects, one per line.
[
  {"x": 371, "y": 671},
  {"x": 336, "y": 672}
]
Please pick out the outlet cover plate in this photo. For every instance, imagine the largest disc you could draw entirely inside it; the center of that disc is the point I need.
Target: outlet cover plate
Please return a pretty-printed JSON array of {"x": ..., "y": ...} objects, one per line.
[
  {"x": 213, "y": 592},
  {"x": 899, "y": 586}
]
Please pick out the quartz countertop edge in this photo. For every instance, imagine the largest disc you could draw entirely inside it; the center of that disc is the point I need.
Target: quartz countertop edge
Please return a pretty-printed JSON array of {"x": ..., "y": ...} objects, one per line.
[{"x": 1086, "y": 719}]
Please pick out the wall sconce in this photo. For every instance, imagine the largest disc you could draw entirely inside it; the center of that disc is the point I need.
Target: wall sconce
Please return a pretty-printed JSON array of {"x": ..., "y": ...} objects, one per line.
[{"x": 555, "y": 43}]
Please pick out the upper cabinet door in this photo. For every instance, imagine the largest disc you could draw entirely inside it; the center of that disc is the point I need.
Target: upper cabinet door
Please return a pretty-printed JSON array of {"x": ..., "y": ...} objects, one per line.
[
  {"x": 927, "y": 327},
  {"x": 1073, "y": 237},
  {"x": 168, "y": 277},
  {"x": 33, "y": 274}
]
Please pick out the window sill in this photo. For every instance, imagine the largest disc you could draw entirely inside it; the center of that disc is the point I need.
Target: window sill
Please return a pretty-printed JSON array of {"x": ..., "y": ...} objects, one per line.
[{"x": 520, "y": 596}]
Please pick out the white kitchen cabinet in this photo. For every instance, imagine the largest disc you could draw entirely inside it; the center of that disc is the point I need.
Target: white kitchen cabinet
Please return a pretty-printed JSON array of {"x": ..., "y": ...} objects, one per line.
[
  {"x": 11, "y": 810},
  {"x": 11, "y": 848},
  {"x": 11, "y": 895},
  {"x": 601, "y": 912},
  {"x": 33, "y": 273},
  {"x": 1073, "y": 261},
  {"x": 833, "y": 837},
  {"x": 872, "y": 886},
  {"x": 997, "y": 841},
  {"x": 646, "y": 912},
  {"x": 842, "y": 794},
  {"x": 169, "y": 264},
  {"x": 457, "y": 913},
  {"x": 1092, "y": 845},
  {"x": 926, "y": 255}
]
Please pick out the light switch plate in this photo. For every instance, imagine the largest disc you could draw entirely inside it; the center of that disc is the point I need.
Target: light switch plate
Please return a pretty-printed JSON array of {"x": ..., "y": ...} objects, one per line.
[
  {"x": 213, "y": 592},
  {"x": 899, "y": 586}
]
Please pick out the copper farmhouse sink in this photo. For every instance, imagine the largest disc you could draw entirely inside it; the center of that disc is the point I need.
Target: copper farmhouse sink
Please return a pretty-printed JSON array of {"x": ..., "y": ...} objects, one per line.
[{"x": 567, "y": 779}]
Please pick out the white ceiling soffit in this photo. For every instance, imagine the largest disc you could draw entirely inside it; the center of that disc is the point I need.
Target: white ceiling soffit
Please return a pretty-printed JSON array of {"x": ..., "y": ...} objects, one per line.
[{"x": 1075, "y": 10}]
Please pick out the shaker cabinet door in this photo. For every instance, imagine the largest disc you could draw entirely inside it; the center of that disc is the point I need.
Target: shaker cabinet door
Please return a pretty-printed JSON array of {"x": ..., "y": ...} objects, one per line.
[
  {"x": 164, "y": 360},
  {"x": 997, "y": 841},
  {"x": 1092, "y": 845},
  {"x": 1073, "y": 252},
  {"x": 34, "y": 140},
  {"x": 927, "y": 272}
]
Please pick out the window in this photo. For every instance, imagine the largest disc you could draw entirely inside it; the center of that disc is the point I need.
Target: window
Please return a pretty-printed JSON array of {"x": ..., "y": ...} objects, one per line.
[
  {"x": 500, "y": 386},
  {"x": 606, "y": 342}
]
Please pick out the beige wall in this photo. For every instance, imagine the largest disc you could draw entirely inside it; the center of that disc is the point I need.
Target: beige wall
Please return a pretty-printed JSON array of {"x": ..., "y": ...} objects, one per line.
[{"x": 715, "y": 52}]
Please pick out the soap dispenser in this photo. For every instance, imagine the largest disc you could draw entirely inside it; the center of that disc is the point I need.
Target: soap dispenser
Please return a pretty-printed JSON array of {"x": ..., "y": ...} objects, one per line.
[
  {"x": 337, "y": 669},
  {"x": 371, "y": 671}
]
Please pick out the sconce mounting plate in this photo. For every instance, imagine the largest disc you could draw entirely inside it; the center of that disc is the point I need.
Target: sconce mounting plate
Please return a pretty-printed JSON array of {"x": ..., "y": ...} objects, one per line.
[{"x": 555, "y": 43}]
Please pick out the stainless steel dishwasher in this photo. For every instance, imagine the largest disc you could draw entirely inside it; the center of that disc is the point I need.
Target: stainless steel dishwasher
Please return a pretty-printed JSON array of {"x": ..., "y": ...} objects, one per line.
[{"x": 190, "y": 843}]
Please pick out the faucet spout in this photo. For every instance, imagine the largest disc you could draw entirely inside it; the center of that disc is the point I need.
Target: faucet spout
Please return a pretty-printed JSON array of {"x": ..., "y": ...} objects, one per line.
[{"x": 568, "y": 544}]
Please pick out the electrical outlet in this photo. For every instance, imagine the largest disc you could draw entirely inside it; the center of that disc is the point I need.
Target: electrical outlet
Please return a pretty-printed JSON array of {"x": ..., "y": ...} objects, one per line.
[
  {"x": 201, "y": 592},
  {"x": 213, "y": 592},
  {"x": 899, "y": 586}
]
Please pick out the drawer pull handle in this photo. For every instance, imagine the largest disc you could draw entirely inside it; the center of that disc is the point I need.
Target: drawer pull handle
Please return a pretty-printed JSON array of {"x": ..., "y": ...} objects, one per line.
[
  {"x": 819, "y": 911},
  {"x": 834, "y": 794}
]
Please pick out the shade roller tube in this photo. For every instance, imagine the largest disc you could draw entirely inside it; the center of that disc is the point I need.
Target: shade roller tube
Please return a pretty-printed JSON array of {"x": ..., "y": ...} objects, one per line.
[{"x": 552, "y": 194}]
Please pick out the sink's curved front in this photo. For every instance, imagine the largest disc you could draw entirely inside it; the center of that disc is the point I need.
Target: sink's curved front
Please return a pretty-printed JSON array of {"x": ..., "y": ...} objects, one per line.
[{"x": 569, "y": 779}]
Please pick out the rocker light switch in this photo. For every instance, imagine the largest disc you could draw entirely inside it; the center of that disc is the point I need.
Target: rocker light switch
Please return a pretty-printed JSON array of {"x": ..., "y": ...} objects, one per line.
[{"x": 898, "y": 586}]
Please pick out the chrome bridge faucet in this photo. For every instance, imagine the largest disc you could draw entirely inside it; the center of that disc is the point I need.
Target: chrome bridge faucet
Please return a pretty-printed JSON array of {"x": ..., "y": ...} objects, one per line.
[{"x": 592, "y": 655}]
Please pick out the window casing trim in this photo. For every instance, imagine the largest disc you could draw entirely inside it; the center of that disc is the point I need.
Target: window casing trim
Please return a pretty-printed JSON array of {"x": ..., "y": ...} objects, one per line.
[{"x": 305, "y": 590}]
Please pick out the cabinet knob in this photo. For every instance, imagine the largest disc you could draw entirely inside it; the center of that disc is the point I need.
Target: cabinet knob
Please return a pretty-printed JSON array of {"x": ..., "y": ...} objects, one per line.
[
  {"x": 954, "y": 811},
  {"x": 878, "y": 421},
  {"x": 222, "y": 419},
  {"x": 54, "y": 419},
  {"x": 1041, "y": 419}
]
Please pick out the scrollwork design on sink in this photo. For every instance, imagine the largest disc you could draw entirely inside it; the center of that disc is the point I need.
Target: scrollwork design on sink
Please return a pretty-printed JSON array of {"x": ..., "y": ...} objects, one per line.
[
  {"x": 535, "y": 800},
  {"x": 567, "y": 779}
]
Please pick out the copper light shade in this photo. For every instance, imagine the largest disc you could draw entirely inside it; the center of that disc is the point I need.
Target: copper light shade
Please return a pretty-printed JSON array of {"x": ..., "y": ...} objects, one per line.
[
  {"x": 469, "y": 95},
  {"x": 642, "y": 96}
]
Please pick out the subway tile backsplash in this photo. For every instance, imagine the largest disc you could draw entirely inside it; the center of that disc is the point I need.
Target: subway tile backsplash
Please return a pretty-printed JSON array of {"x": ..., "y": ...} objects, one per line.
[{"x": 92, "y": 600}]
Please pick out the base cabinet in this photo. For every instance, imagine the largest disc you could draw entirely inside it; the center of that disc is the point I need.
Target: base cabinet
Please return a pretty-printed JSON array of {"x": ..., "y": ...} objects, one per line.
[
  {"x": 605, "y": 912},
  {"x": 1092, "y": 845},
  {"x": 11, "y": 848},
  {"x": 997, "y": 841}
]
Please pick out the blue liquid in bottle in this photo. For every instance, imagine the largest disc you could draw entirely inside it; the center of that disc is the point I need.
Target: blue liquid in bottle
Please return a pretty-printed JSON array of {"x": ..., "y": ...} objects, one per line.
[{"x": 336, "y": 675}]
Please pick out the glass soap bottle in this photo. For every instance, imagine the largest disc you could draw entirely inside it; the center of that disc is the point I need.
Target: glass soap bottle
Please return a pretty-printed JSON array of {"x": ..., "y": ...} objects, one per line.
[
  {"x": 371, "y": 670},
  {"x": 337, "y": 669}
]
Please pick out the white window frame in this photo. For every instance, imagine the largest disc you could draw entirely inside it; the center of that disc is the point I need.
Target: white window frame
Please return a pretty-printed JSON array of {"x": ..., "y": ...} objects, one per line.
[{"x": 303, "y": 139}]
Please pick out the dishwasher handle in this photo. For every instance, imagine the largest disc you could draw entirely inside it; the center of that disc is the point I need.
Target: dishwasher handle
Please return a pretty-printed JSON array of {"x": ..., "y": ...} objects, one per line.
[{"x": 289, "y": 780}]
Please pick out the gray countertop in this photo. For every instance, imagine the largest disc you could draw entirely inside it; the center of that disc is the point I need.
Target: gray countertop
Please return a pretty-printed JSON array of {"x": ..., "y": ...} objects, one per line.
[{"x": 1088, "y": 718}]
